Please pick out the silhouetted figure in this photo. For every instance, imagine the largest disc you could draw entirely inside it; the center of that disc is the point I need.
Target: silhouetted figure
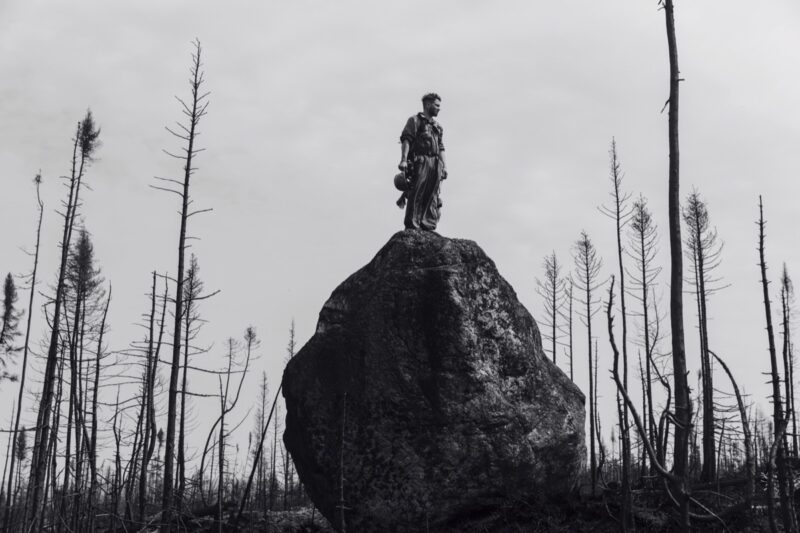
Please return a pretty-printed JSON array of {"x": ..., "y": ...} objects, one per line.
[{"x": 422, "y": 162}]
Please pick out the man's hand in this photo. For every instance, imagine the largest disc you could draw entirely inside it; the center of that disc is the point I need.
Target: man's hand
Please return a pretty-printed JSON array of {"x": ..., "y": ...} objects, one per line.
[
  {"x": 444, "y": 173},
  {"x": 403, "y": 166}
]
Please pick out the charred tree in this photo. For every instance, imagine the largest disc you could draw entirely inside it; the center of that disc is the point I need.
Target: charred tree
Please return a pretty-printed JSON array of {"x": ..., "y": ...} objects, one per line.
[
  {"x": 85, "y": 144},
  {"x": 588, "y": 265},
  {"x": 787, "y": 298},
  {"x": 778, "y": 421},
  {"x": 550, "y": 289},
  {"x": 192, "y": 296},
  {"x": 620, "y": 212},
  {"x": 569, "y": 298},
  {"x": 25, "y": 348},
  {"x": 704, "y": 250},
  {"x": 194, "y": 112},
  {"x": 643, "y": 243},
  {"x": 683, "y": 401}
]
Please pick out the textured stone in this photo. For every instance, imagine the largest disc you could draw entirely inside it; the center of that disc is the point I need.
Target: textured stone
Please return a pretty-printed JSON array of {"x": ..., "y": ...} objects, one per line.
[{"x": 450, "y": 406}]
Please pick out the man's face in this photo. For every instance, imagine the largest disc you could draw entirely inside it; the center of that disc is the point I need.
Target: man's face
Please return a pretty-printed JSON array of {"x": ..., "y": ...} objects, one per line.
[{"x": 432, "y": 107}]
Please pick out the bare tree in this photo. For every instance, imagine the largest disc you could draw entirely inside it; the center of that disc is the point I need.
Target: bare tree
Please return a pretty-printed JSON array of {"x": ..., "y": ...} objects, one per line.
[
  {"x": 778, "y": 421},
  {"x": 588, "y": 265},
  {"x": 568, "y": 287},
  {"x": 227, "y": 405},
  {"x": 620, "y": 212},
  {"x": 95, "y": 393},
  {"x": 85, "y": 144},
  {"x": 551, "y": 290},
  {"x": 192, "y": 296},
  {"x": 25, "y": 347},
  {"x": 643, "y": 244},
  {"x": 750, "y": 468},
  {"x": 670, "y": 477},
  {"x": 683, "y": 401},
  {"x": 704, "y": 250},
  {"x": 194, "y": 112},
  {"x": 787, "y": 299}
]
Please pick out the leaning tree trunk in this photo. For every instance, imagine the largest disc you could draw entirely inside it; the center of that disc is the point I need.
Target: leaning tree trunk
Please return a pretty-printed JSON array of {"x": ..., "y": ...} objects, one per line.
[{"x": 779, "y": 424}]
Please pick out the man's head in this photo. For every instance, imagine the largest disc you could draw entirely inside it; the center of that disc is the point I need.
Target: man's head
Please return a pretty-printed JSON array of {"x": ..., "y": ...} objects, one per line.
[{"x": 431, "y": 103}]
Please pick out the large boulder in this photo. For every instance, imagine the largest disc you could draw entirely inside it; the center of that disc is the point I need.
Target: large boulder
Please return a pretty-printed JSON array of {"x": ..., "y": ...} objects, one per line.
[{"x": 424, "y": 396}]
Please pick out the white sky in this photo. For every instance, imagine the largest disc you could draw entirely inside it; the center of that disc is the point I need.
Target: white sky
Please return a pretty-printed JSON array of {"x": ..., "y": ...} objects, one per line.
[{"x": 308, "y": 101}]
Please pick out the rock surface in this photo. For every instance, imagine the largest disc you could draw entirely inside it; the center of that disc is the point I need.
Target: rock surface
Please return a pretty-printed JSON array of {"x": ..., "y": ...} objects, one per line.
[{"x": 426, "y": 396}]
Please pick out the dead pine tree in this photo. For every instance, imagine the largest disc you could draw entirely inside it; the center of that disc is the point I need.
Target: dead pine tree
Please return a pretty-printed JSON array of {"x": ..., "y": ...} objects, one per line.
[
  {"x": 187, "y": 133},
  {"x": 286, "y": 459},
  {"x": 779, "y": 422},
  {"x": 26, "y": 343},
  {"x": 144, "y": 442},
  {"x": 587, "y": 266},
  {"x": 550, "y": 289},
  {"x": 620, "y": 212},
  {"x": 569, "y": 300},
  {"x": 666, "y": 474},
  {"x": 82, "y": 297},
  {"x": 683, "y": 401},
  {"x": 227, "y": 405},
  {"x": 750, "y": 467},
  {"x": 193, "y": 294},
  {"x": 93, "y": 487},
  {"x": 703, "y": 251},
  {"x": 259, "y": 451},
  {"x": 787, "y": 299},
  {"x": 117, "y": 479},
  {"x": 85, "y": 144},
  {"x": 258, "y": 461},
  {"x": 642, "y": 247}
]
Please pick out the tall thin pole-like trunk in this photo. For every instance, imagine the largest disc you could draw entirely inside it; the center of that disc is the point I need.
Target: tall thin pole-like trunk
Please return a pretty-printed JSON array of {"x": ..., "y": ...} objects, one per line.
[
  {"x": 618, "y": 213},
  {"x": 153, "y": 350},
  {"x": 51, "y": 477},
  {"x": 273, "y": 479},
  {"x": 700, "y": 242},
  {"x": 194, "y": 112},
  {"x": 788, "y": 389},
  {"x": 644, "y": 235},
  {"x": 95, "y": 393},
  {"x": 588, "y": 266},
  {"x": 264, "y": 432},
  {"x": 788, "y": 363},
  {"x": 116, "y": 488},
  {"x": 779, "y": 424},
  {"x": 7, "y": 510},
  {"x": 683, "y": 401},
  {"x": 12, "y": 435},
  {"x": 40, "y": 455},
  {"x": 182, "y": 423},
  {"x": 592, "y": 403},
  {"x": 569, "y": 329}
]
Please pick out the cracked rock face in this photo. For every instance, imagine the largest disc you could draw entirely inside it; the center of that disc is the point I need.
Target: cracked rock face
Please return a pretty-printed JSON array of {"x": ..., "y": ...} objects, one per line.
[{"x": 425, "y": 397}]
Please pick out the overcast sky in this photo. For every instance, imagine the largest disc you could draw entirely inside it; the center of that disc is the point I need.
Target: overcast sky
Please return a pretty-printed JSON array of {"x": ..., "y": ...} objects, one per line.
[{"x": 308, "y": 101}]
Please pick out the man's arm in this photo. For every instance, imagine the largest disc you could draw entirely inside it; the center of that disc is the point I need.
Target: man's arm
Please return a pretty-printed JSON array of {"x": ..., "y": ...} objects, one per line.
[
  {"x": 408, "y": 134},
  {"x": 404, "y": 147},
  {"x": 444, "y": 165}
]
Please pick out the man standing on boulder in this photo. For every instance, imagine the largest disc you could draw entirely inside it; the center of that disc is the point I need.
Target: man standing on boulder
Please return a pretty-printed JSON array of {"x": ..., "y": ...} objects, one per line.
[{"x": 422, "y": 160}]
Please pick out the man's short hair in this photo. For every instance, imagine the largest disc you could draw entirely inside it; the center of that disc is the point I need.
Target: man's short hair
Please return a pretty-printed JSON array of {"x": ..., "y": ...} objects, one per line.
[{"x": 430, "y": 97}]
